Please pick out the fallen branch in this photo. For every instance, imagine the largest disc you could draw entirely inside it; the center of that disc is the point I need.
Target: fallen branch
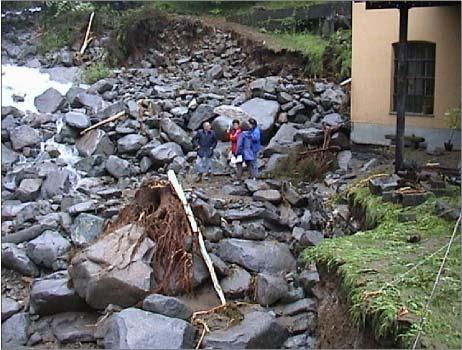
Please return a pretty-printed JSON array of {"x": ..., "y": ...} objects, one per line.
[
  {"x": 331, "y": 148},
  {"x": 86, "y": 41},
  {"x": 105, "y": 121},
  {"x": 195, "y": 229}
]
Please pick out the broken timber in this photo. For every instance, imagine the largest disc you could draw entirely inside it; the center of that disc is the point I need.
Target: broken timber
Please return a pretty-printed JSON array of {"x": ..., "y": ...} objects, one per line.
[
  {"x": 195, "y": 229},
  {"x": 105, "y": 121},
  {"x": 86, "y": 41}
]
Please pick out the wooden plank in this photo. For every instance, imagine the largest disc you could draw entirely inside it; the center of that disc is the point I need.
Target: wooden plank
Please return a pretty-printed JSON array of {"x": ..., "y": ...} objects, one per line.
[
  {"x": 86, "y": 41},
  {"x": 195, "y": 228},
  {"x": 105, "y": 121}
]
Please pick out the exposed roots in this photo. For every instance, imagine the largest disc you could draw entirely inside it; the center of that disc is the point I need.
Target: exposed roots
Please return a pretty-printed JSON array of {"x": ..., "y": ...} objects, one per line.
[{"x": 159, "y": 212}]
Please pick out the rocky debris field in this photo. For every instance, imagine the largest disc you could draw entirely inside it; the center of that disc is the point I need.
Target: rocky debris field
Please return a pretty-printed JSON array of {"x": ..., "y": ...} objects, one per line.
[{"x": 66, "y": 283}]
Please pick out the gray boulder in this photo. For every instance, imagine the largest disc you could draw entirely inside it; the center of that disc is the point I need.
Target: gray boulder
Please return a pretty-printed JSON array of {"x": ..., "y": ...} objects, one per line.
[
  {"x": 131, "y": 143},
  {"x": 74, "y": 327},
  {"x": 215, "y": 72},
  {"x": 28, "y": 190},
  {"x": 118, "y": 167},
  {"x": 101, "y": 86},
  {"x": 256, "y": 185},
  {"x": 57, "y": 182},
  {"x": 262, "y": 85},
  {"x": 270, "y": 289},
  {"x": 201, "y": 114},
  {"x": 274, "y": 162},
  {"x": 243, "y": 214},
  {"x": 23, "y": 136},
  {"x": 92, "y": 103},
  {"x": 51, "y": 295},
  {"x": 9, "y": 307},
  {"x": 138, "y": 329},
  {"x": 310, "y": 136},
  {"x": 48, "y": 249},
  {"x": 179, "y": 111},
  {"x": 14, "y": 331},
  {"x": 95, "y": 141},
  {"x": 303, "y": 305},
  {"x": 77, "y": 120},
  {"x": 220, "y": 126},
  {"x": 111, "y": 110},
  {"x": 176, "y": 134},
  {"x": 16, "y": 259},
  {"x": 272, "y": 196},
  {"x": 258, "y": 256},
  {"x": 102, "y": 275},
  {"x": 258, "y": 330},
  {"x": 282, "y": 142},
  {"x": 237, "y": 284},
  {"x": 9, "y": 157},
  {"x": 332, "y": 119},
  {"x": 307, "y": 237},
  {"x": 86, "y": 228},
  {"x": 167, "y": 306},
  {"x": 165, "y": 153},
  {"x": 50, "y": 101},
  {"x": 264, "y": 112}
]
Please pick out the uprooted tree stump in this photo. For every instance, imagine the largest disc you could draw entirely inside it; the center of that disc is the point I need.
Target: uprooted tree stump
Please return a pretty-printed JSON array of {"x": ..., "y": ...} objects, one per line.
[{"x": 149, "y": 248}]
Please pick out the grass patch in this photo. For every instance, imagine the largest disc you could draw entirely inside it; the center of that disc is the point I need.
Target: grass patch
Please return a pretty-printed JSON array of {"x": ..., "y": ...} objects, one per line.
[
  {"x": 95, "y": 72},
  {"x": 371, "y": 265}
]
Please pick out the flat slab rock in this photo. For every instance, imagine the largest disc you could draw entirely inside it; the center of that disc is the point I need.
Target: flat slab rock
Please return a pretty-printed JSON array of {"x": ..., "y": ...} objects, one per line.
[
  {"x": 138, "y": 329},
  {"x": 258, "y": 256},
  {"x": 258, "y": 330}
]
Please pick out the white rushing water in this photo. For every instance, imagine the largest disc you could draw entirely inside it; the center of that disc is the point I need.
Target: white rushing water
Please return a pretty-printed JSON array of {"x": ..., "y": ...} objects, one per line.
[{"x": 27, "y": 82}]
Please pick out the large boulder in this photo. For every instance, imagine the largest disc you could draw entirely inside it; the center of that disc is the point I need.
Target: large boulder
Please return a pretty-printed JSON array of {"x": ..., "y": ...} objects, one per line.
[
  {"x": 176, "y": 134},
  {"x": 258, "y": 256},
  {"x": 23, "y": 136},
  {"x": 282, "y": 142},
  {"x": 201, "y": 114},
  {"x": 220, "y": 126},
  {"x": 272, "y": 196},
  {"x": 16, "y": 259},
  {"x": 165, "y": 153},
  {"x": 14, "y": 331},
  {"x": 167, "y": 306},
  {"x": 92, "y": 103},
  {"x": 215, "y": 72},
  {"x": 28, "y": 190},
  {"x": 77, "y": 120},
  {"x": 116, "y": 269},
  {"x": 131, "y": 143},
  {"x": 52, "y": 294},
  {"x": 258, "y": 330},
  {"x": 9, "y": 307},
  {"x": 265, "y": 85},
  {"x": 264, "y": 112},
  {"x": 237, "y": 284},
  {"x": 118, "y": 167},
  {"x": 50, "y": 101},
  {"x": 47, "y": 249},
  {"x": 74, "y": 327},
  {"x": 111, "y": 110},
  {"x": 138, "y": 329},
  {"x": 86, "y": 228},
  {"x": 270, "y": 289},
  {"x": 9, "y": 157},
  {"x": 95, "y": 141},
  {"x": 57, "y": 182}
]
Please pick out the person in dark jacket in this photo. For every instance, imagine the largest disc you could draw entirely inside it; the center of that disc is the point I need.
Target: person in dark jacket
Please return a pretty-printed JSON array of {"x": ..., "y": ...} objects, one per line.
[
  {"x": 245, "y": 149},
  {"x": 204, "y": 141},
  {"x": 255, "y": 136}
]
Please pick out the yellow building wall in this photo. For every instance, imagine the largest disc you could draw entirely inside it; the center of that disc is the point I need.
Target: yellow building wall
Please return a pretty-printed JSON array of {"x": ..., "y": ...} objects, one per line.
[{"x": 373, "y": 33}]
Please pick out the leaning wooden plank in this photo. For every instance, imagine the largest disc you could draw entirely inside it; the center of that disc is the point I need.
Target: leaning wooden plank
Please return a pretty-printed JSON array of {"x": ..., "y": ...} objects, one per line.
[
  {"x": 105, "y": 121},
  {"x": 86, "y": 41},
  {"x": 195, "y": 228}
]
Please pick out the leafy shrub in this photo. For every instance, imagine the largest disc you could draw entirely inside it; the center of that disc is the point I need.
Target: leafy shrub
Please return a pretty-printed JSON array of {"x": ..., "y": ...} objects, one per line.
[{"x": 95, "y": 72}]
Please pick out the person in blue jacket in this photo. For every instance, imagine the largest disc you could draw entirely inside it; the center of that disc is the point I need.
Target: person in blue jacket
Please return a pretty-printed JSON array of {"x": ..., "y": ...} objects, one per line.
[
  {"x": 204, "y": 141},
  {"x": 248, "y": 146}
]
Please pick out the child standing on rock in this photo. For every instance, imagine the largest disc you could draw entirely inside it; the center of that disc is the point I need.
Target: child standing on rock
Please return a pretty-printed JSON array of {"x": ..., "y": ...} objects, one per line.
[{"x": 204, "y": 141}]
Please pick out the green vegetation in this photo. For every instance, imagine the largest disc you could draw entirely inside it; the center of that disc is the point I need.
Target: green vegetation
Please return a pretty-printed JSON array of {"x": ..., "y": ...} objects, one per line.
[
  {"x": 95, "y": 72},
  {"x": 388, "y": 280}
]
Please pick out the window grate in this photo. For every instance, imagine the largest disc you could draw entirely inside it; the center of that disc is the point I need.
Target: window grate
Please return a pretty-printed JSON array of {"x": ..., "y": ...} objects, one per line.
[{"x": 420, "y": 77}]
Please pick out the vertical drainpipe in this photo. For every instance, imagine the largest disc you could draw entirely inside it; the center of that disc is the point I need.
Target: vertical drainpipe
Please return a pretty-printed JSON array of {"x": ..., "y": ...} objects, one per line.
[{"x": 402, "y": 86}]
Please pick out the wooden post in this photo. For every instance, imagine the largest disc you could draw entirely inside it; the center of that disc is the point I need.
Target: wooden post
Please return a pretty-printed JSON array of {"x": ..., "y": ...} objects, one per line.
[{"x": 402, "y": 86}]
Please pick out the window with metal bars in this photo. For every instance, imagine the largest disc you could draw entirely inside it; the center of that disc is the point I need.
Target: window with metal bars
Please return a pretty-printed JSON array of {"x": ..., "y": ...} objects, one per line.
[{"x": 420, "y": 77}]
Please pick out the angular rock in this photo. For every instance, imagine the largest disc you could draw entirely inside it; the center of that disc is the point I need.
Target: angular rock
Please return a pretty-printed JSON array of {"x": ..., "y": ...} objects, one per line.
[
  {"x": 94, "y": 166},
  {"x": 234, "y": 190},
  {"x": 179, "y": 111},
  {"x": 14, "y": 331},
  {"x": 95, "y": 141},
  {"x": 201, "y": 114},
  {"x": 9, "y": 307},
  {"x": 308, "y": 279},
  {"x": 127, "y": 281},
  {"x": 47, "y": 249},
  {"x": 307, "y": 237},
  {"x": 176, "y": 134},
  {"x": 299, "y": 306},
  {"x": 131, "y": 143},
  {"x": 111, "y": 110},
  {"x": 213, "y": 233},
  {"x": 256, "y": 185},
  {"x": 74, "y": 327},
  {"x": 16, "y": 259},
  {"x": 205, "y": 212},
  {"x": 237, "y": 284},
  {"x": 262, "y": 85},
  {"x": 220, "y": 266},
  {"x": 215, "y": 72},
  {"x": 258, "y": 256},
  {"x": 92, "y": 103},
  {"x": 165, "y": 153},
  {"x": 258, "y": 330},
  {"x": 243, "y": 214},
  {"x": 275, "y": 161},
  {"x": 270, "y": 289},
  {"x": 167, "y": 306},
  {"x": 81, "y": 207},
  {"x": 57, "y": 182},
  {"x": 50, "y": 101},
  {"x": 86, "y": 228},
  {"x": 254, "y": 231},
  {"x": 282, "y": 142},
  {"x": 220, "y": 126},
  {"x": 265, "y": 113},
  {"x": 332, "y": 119},
  {"x": 23, "y": 136},
  {"x": 28, "y": 190},
  {"x": 379, "y": 185},
  {"x": 101, "y": 86},
  {"x": 291, "y": 195},
  {"x": 118, "y": 167},
  {"x": 272, "y": 196},
  {"x": 51, "y": 295},
  {"x": 77, "y": 120},
  {"x": 9, "y": 157},
  {"x": 138, "y": 329}
]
